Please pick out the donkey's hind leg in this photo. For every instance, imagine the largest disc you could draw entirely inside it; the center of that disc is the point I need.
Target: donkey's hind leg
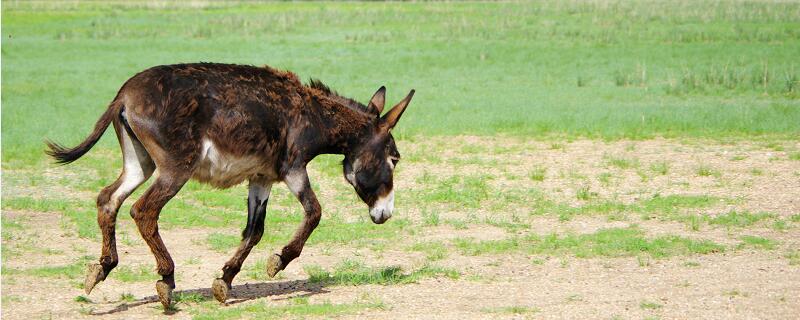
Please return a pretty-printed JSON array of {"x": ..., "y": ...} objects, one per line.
[
  {"x": 145, "y": 213},
  {"x": 257, "y": 199},
  {"x": 138, "y": 167}
]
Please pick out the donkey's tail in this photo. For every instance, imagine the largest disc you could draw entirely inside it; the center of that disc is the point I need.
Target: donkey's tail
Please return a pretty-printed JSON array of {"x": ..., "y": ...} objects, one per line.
[{"x": 64, "y": 155}]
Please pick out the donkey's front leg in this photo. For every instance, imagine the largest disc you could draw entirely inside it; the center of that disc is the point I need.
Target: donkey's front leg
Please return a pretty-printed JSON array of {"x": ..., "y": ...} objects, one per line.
[
  {"x": 257, "y": 199},
  {"x": 299, "y": 185}
]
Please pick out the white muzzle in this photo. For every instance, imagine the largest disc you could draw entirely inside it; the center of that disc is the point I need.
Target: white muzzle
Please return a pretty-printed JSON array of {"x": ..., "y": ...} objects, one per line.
[{"x": 382, "y": 209}]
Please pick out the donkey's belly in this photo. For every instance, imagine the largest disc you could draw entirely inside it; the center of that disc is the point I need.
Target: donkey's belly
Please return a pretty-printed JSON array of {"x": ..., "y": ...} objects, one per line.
[{"x": 224, "y": 170}]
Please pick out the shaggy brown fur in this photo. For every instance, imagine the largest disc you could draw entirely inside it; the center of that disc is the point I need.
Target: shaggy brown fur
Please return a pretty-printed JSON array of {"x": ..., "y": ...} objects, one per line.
[{"x": 223, "y": 124}]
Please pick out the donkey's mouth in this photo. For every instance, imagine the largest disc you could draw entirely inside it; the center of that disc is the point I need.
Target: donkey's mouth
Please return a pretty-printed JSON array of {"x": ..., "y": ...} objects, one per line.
[{"x": 379, "y": 216}]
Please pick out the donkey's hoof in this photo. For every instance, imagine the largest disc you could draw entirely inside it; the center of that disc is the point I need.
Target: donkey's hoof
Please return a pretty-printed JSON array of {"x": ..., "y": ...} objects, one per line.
[
  {"x": 164, "y": 291},
  {"x": 220, "y": 289},
  {"x": 94, "y": 274},
  {"x": 274, "y": 264}
]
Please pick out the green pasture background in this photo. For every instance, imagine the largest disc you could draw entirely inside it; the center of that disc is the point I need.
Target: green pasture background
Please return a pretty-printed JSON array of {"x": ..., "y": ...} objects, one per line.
[{"x": 597, "y": 69}]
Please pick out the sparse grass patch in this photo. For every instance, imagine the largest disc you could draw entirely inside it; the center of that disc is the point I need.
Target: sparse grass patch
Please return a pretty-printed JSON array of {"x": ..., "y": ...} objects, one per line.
[
  {"x": 707, "y": 171},
  {"x": 757, "y": 242},
  {"x": 82, "y": 299},
  {"x": 140, "y": 273},
  {"x": 457, "y": 224},
  {"x": 667, "y": 206},
  {"x": 222, "y": 242},
  {"x": 127, "y": 297},
  {"x": 660, "y": 167},
  {"x": 462, "y": 191},
  {"x": 605, "y": 178},
  {"x": 190, "y": 297},
  {"x": 615, "y": 242},
  {"x": 538, "y": 174},
  {"x": 691, "y": 264},
  {"x": 264, "y": 309},
  {"x": 433, "y": 250},
  {"x": 647, "y": 305},
  {"x": 620, "y": 162},
  {"x": 794, "y": 257},
  {"x": 780, "y": 225},
  {"x": 583, "y": 193},
  {"x": 335, "y": 230},
  {"x": 70, "y": 271},
  {"x": 81, "y": 213},
  {"x": 519, "y": 310},
  {"x": 430, "y": 217},
  {"x": 794, "y": 156},
  {"x": 257, "y": 270},
  {"x": 736, "y": 293},
  {"x": 350, "y": 272},
  {"x": 740, "y": 218},
  {"x": 557, "y": 146}
]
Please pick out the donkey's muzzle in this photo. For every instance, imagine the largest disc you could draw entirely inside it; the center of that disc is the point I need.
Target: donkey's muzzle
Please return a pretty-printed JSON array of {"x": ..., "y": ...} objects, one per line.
[
  {"x": 379, "y": 216},
  {"x": 382, "y": 209}
]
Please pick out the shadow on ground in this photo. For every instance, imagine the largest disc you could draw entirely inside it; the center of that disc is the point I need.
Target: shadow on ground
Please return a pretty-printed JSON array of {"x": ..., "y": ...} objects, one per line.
[{"x": 238, "y": 294}]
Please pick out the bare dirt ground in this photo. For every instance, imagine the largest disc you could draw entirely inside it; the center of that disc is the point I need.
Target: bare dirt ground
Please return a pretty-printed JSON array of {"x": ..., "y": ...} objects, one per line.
[{"x": 743, "y": 282}]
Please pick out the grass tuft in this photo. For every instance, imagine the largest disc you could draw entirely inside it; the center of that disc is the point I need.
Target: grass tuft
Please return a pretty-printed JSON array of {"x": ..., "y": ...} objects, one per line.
[
  {"x": 615, "y": 242},
  {"x": 353, "y": 273}
]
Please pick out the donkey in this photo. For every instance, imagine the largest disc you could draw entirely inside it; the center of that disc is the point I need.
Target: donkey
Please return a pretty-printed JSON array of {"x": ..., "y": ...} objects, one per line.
[{"x": 222, "y": 124}]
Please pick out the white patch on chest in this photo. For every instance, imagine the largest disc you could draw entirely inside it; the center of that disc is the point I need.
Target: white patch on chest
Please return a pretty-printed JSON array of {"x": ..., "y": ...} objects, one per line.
[{"x": 224, "y": 170}]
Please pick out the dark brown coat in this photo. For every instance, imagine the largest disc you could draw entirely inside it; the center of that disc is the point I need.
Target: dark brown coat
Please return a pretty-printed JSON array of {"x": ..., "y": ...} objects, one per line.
[{"x": 223, "y": 124}]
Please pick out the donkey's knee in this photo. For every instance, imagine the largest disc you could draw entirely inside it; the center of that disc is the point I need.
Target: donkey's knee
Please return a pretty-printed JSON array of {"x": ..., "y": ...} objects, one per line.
[{"x": 143, "y": 218}]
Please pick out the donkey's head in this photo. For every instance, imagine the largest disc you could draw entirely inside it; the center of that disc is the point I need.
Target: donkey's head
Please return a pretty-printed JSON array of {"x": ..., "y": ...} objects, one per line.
[{"x": 369, "y": 165}]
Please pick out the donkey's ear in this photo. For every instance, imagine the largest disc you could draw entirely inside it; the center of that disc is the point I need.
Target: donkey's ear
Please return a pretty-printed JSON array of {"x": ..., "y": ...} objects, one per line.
[
  {"x": 389, "y": 120},
  {"x": 377, "y": 101}
]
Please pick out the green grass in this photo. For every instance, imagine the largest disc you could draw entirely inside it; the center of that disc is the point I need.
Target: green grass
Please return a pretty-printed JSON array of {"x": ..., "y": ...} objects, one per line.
[
  {"x": 584, "y": 193},
  {"x": 353, "y": 273},
  {"x": 615, "y": 242},
  {"x": 707, "y": 171},
  {"x": 127, "y": 297},
  {"x": 538, "y": 174},
  {"x": 647, "y": 305},
  {"x": 668, "y": 206},
  {"x": 433, "y": 251},
  {"x": 727, "y": 70},
  {"x": 223, "y": 242},
  {"x": 515, "y": 310},
  {"x": 757, "y": 242},
  {"x": 660, "y": 167},
  {"x": 461, "y": 191},
  {"x": 621, "y": 162},
  {"x": 70, "y": 271},
  {"x": 793, "y": 256},
  {"x": 740, "y": 218},
  {"x": 140, "y": 273},
  {"x": 264, "y": 309}
]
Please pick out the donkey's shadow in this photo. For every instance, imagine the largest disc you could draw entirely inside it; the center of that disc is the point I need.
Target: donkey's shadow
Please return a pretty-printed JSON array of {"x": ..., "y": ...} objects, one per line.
[{"x": 238, "y": 294}]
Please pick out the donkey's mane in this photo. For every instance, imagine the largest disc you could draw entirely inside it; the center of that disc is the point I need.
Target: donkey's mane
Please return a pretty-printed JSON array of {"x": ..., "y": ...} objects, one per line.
[{"x": 350, "y": 103}]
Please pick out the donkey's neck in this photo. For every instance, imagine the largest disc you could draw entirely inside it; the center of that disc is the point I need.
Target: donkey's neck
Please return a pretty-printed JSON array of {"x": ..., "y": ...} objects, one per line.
[{"x": 340, "y": 127}]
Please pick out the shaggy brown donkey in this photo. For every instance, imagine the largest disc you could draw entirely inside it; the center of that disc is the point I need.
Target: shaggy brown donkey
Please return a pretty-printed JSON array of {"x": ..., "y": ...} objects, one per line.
[{"x": 223, "y": 124}]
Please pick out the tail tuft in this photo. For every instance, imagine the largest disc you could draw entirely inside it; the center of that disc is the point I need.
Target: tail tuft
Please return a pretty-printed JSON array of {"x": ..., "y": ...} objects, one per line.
[{"x": 63, "y": 155}]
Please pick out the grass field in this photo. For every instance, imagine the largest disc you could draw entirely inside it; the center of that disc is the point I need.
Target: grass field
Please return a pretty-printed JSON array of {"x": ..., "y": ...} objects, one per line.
[
  {"x": 571, "y": 159},
  {"x": 597, "y": 69}
]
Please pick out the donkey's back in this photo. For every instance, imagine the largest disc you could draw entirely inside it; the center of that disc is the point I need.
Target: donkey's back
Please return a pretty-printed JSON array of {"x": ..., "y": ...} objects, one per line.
[{"x": 223, "y": 124}]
